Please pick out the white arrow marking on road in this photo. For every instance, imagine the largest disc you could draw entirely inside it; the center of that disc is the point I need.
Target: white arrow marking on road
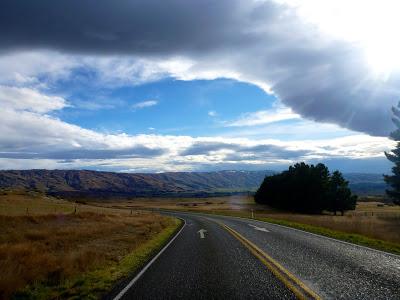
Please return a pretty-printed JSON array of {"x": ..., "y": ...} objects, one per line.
[
  {"x": 202, "y": 233},
  {"x": 259, "y": 228}
]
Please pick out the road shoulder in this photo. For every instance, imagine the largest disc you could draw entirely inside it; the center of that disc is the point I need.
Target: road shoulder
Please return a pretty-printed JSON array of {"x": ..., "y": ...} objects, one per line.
[{"x": 118, "y": 276}]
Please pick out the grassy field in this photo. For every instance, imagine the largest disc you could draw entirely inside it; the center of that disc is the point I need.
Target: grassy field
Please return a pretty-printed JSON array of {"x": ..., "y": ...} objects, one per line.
[
  {"x": 372, "y": 223},
  {"x": 18, "y": 203},
  {"x": 51, "y": 252},
  {"x": 196, "y": 204}
]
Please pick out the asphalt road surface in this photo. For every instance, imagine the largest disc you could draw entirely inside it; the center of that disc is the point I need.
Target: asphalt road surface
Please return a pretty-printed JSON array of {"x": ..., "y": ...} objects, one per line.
[{"x": 206, "y": 261}]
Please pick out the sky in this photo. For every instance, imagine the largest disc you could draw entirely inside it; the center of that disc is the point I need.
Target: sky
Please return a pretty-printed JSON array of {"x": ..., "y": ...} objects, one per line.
[{"x": 156, "y": 86}]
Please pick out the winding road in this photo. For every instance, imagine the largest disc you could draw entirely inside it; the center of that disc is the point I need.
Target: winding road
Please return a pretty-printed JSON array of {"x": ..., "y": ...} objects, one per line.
[{"x": 218, "y": 257}]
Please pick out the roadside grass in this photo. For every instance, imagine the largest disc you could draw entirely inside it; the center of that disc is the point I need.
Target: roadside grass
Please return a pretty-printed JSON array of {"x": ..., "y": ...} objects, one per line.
[
  {"x": 75, "y": 255},
  {"x": 92, "y": 284},
  {"x": 340, "y": 235},
  {"x": 387, "y": 246},
  {"x": 372, "y": 224},
  {"x": 372, "y": 219},
  {"x": 379, "y": 226}
]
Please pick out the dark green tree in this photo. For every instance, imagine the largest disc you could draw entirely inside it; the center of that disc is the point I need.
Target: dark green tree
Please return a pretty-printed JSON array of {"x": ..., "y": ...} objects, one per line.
[
  {"x": 394, "y": 157},
  {"x": 339, "y": 195},
  {"x": 307, "y": 189}
]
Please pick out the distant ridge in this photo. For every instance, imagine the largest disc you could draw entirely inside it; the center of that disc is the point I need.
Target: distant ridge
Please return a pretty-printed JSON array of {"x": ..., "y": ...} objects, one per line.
[
  {"x": 73, "y": 183},
  {"x": 366, "y": 183},
  {"x": 85, "y": 183}
]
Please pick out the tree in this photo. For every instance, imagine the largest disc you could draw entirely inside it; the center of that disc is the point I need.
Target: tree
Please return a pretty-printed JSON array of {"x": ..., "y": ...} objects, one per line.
[
  {"x": 339, "y": 195},
  {"x": 394, "y": 157},
  {"x": 307, "y": 189}
]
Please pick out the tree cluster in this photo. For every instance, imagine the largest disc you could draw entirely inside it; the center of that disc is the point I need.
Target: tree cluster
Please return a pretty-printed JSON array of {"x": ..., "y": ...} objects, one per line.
[
  {"x": 394, "y": 156},
  {"x": 307, "y": 189}
]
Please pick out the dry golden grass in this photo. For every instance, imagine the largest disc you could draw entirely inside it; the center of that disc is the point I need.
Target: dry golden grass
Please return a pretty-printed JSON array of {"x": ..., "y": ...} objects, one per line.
[
  {"x": 25, "y": 203},
  {"x": 376, "y": 226},
  {"x": 54, "y": 247},
  {"x": 14, "y": 203},
  {"x": 371, "y": 219},
  {"x": 198, "y": 204}
]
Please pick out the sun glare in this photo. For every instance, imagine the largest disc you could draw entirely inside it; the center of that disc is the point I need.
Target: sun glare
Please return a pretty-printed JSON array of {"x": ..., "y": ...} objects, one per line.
[
  {"x": 374, "y": 25},
  {"x": 383, "y": 57}
]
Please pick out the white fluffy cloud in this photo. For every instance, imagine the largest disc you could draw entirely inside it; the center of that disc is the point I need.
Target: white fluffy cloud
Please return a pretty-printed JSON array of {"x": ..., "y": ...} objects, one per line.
[
  {"x": 29, "y": 133},
  {"x": 26, "y": 67},
  {"x": 29, "y": 100},
  {"x": 41, "y": 140}
]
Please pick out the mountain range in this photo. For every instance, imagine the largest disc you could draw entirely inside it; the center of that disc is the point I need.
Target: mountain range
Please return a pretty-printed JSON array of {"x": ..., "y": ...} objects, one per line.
[{"x": 85, "y": 183}]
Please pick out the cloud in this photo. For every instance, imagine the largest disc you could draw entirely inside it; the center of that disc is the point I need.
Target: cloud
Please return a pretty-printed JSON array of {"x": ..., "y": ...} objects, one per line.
[
  {"x": 298, "y": 129},
  {"x": 99, "y": 104},
  {"x": 93, "y": 154},
  {"x": 237, "y": 151},
  {"x": 35, "y": 69},
  {"x": 29, "y": 100},
  {"x": 206, "y": 147},
  {"x": 263, "y": 117},
  {"x": 143, "y": 104},
  {"x": 31, "y": 134},
  {"x": 212, "y": 113},
  {"x": 321, "y": 78},
  {"x": 81, "y": 27}
]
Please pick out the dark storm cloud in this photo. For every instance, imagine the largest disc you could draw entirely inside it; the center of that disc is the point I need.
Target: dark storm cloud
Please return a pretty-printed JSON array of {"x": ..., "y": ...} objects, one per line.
[
  {"x": 126, "y": 26},
  {"x": 136, "y": 152},
  {"x": 340, "y": 89},
  {"x": 321, "y": 79}
]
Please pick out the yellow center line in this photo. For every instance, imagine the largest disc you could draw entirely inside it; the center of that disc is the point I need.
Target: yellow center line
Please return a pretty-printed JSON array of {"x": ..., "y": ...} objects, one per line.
[{"x": 300, "y": 290}]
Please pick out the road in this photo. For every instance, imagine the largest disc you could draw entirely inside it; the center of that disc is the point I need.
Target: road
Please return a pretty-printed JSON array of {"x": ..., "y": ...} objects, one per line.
[{"x": 207, "y": 261}]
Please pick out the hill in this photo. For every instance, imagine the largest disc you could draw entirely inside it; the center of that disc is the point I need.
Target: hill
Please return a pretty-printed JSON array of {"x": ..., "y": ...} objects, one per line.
[
  {"x": 71, "y": 183},
  {"x": 84, "y": 183},
  {"x": 366, "y": 183}
]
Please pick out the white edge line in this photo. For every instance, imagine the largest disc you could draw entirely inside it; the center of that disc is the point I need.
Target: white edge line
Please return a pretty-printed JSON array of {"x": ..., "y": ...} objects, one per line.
[{"x": 140, "y": 274}]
